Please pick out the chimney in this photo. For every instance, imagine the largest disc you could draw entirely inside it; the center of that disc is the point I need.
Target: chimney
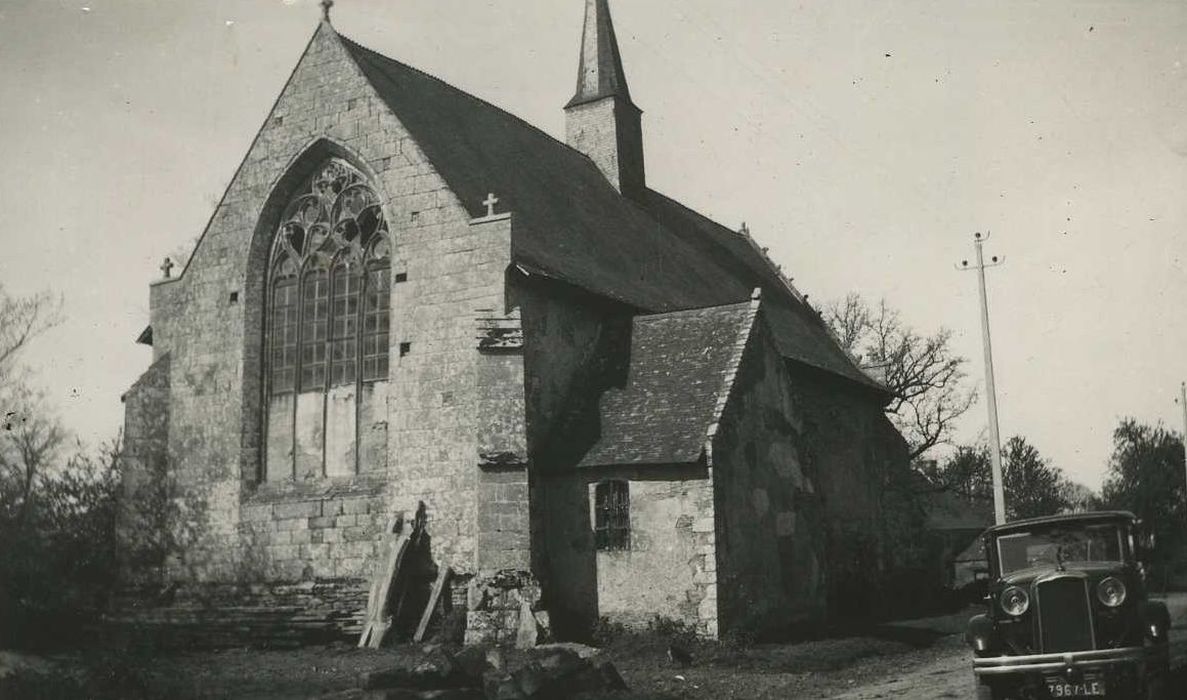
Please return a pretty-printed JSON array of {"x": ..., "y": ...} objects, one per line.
[{"x": 601, "y": 121}]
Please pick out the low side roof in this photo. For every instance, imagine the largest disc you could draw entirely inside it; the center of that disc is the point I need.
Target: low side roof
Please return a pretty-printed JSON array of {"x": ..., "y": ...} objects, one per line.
[
  {"x": 948, "y": 511},
  {"x": 681, "y": 365},
  {"x": 656, "y": 255}
]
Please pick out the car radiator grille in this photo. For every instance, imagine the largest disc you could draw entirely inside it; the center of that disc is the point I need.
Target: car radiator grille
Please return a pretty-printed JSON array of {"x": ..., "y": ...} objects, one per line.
[{"x": 1065, "y": 615}]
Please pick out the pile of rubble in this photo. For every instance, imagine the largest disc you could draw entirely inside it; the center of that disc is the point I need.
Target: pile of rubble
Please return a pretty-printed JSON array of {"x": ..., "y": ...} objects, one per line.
[
  {"x": 504, "y": 608},
  {"x": 476, "y": 673}
]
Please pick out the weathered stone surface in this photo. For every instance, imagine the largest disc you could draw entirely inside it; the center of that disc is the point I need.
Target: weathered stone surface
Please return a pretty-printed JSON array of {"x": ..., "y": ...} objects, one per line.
[
  {"x": 409, "y": 694},
  {"x": 473, "y": 663},
  {"x": 527, "y": 633},
  {"x": 501, "y": 686},
  {"x": 581, "y": 650},
  {"x": 433, "y": 672},
  {"x": 501, "y": 609}
]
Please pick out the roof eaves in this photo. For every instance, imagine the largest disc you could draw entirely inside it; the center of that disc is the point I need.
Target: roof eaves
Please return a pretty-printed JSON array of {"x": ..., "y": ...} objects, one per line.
[{"x": 731, "y": 373}]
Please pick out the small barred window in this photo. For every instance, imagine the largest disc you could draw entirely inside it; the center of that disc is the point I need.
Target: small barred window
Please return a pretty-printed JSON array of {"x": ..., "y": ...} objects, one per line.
[{"x": 612, "y": 516}]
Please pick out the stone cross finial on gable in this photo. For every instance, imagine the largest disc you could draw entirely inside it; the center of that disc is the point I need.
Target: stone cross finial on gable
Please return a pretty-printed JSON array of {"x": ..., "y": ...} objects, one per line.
[
  {"x": 325, "y": 9},
  {"x": 167, "y": 268},
  {"x": 490, "y": 202}
]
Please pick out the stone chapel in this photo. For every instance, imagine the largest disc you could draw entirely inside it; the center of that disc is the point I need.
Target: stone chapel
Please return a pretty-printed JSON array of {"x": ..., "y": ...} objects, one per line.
[{"x": 601, "y": 400}]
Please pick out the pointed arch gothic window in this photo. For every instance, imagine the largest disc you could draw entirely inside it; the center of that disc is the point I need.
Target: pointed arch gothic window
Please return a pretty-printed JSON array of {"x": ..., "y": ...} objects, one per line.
[{"x": 328, "y": 305}]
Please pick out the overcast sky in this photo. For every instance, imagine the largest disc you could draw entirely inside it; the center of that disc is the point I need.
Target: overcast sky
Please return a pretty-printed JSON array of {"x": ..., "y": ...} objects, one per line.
[{"x": 863, "y": 142}]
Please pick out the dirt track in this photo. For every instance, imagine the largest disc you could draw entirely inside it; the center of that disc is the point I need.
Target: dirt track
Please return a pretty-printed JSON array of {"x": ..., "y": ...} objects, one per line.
[
  {"x": 949, "y": 674},
  {"x": 916, "y": 659}
]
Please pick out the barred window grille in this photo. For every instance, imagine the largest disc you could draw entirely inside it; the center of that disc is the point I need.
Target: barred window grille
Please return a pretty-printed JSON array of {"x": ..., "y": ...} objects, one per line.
[{"x": 612, "y": 516}]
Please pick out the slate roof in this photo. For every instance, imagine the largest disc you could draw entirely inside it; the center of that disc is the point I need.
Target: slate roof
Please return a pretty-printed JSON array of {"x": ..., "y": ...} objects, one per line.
[
  {"x": 681, "y": 369},
  {"x": 572, "y": 225},
  {"x": 948, "y": 511}
]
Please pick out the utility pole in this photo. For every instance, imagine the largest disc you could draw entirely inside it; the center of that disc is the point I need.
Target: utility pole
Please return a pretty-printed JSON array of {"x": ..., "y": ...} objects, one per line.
[
  {"x": 1183, "y": 404},
  {"x": 995, "y": 443}
]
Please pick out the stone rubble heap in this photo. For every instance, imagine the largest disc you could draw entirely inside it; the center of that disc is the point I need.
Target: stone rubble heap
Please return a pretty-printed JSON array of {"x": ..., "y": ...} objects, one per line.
[
  {"x": 504, "y": 608},
  {"x": 477, "y": 673}
]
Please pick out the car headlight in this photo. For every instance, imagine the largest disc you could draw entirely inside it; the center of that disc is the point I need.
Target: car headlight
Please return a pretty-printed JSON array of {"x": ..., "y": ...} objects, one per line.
[
  {"x": 1015, "y": 601},
  {"x": 1111, "y": 591}
]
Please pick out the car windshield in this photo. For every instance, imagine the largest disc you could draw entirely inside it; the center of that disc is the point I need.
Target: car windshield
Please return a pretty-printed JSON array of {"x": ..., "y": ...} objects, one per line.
[{"x": 1052, "y": 546}]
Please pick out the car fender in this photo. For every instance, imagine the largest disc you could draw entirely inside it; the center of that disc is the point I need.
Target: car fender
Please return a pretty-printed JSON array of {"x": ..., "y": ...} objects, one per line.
[
  {"x": 1156, "y": 620},
  {"x": 981, "y": 634}
]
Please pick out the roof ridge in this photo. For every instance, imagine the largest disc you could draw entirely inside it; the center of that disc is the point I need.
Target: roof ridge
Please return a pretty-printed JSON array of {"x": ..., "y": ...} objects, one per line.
[
  {"x": 659, "y": 315},
  {"x": 352, "y": 43},
  {"x": 786, "y": 282}
]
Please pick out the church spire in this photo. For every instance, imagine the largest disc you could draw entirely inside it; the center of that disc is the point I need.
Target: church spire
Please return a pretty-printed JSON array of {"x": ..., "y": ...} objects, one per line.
[
  {"x": 601, "y": 121},
  {"x": 600, "y": 72}
]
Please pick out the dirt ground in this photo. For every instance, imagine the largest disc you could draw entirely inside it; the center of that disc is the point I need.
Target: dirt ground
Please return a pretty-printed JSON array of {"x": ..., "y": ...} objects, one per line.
[{"x": 917, "y": 659}]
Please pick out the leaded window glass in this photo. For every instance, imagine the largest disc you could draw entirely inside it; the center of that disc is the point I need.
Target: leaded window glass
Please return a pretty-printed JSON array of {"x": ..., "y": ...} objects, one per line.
[
  {"x": 344, "y": 328},
  {"x": 315, "y": 320},
  {"x": 329, "y": 302},
  {"x": 376, "y": 318},
  {"x": 284, "y": 328}
]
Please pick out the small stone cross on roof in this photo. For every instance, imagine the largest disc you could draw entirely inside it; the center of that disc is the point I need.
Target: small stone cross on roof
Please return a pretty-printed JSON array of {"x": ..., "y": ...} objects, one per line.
[
  {"x": 167, "y": 268},
  {"x": 490, "y": 202},
  {"x": 325, "y": 9}
]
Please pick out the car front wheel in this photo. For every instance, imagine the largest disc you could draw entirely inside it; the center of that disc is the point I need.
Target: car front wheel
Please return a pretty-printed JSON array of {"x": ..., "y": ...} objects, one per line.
[
  {"x": 1155, "y": 685},
  {"x": 986, "y": 691}
]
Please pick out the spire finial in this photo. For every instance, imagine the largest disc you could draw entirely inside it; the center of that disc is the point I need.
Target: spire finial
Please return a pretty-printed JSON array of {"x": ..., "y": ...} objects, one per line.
[
  {"x": 600, "y": 72},
  {"x": 325, "y": 9}
]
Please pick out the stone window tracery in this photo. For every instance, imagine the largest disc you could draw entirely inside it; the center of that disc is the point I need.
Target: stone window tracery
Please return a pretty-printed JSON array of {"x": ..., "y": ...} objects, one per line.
[
  {"x": 332, "y": 237},
  {"x": 327, "y": 322}
]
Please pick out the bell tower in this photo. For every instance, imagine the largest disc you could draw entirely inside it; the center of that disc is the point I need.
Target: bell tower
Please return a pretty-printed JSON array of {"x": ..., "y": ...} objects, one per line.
[{"x": 601, "y": 121}]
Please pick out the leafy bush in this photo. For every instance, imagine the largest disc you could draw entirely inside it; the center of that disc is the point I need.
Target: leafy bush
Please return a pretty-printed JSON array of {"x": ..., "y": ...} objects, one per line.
[
  {"x": 605, "y": 632},
  {"x": 57, "y": 546},
  {"x": 674, "y": 631}
]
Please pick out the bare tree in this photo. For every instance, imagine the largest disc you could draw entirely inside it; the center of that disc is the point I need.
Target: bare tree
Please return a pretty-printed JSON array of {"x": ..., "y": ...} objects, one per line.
[
  {"x": 30, "y": 435},
  {"x": 21, "y": 320},
  {"x": 925, "y": 377},
  {"x": 30, "y": 443}
]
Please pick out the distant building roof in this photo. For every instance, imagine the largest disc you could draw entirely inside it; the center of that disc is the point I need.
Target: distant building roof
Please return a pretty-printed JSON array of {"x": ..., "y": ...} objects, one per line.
[{"x": 948, "y": 511}]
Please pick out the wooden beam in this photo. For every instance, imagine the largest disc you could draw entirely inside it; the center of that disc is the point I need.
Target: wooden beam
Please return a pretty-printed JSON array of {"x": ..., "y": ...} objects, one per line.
[
  {"x": 378, "y": 615},
  {"x": 443, "y": 573}
]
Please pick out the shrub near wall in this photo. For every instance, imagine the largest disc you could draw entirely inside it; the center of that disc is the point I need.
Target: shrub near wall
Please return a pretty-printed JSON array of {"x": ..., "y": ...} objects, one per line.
[{"x": 57, "y": 555}]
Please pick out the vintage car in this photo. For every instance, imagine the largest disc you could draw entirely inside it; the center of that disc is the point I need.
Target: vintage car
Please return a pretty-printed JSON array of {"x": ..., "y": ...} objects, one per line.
[{"x": 1068, "y": 615}]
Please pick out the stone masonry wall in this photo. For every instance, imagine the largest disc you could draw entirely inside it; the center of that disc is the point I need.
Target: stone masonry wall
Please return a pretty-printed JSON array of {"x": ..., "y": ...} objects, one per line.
[
  {"x": 210, "y": 321},
  {"x": 770, "y": 544},
  {"x": 562, "y": 328},
  {"x": 668, "y": 570},
  {"x": 853, "y": 456},
  {"x": 144, "y": 467}
]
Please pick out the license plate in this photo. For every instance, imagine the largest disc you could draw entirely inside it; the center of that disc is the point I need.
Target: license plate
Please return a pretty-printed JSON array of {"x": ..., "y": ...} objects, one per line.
[{"x": 1087, "y": 689}]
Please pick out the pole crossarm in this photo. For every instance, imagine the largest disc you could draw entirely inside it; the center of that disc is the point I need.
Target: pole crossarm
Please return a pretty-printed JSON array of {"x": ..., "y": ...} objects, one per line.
[{"x": 995, "y": 447}]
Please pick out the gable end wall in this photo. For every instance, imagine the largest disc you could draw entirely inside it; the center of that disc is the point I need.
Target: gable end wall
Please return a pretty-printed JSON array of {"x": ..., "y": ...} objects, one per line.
[{"x": 231, "y": 528}]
